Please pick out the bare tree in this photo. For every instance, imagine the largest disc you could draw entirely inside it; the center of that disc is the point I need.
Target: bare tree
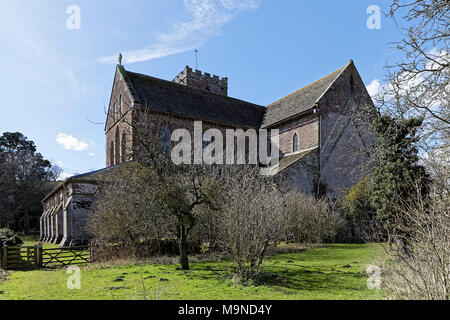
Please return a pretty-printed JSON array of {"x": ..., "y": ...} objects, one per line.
[
  {"x": 419, "y": 84},
  {"x": 128, "y": 218},
  {"x": 253, "y": 218},
  {"x": 424, "y": 274},
  {"x": 181, "y": 191}
]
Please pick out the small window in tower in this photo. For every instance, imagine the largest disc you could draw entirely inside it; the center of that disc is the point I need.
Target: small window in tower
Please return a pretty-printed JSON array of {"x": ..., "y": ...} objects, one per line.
[
  {"x": 352, "y": 84},
  {"x": 295, "y": 143},
  {"x": 114, "y": 111},
  {"x": 120, "y": 104}
]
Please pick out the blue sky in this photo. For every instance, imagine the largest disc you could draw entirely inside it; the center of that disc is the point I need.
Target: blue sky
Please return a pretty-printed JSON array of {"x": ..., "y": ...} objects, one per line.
[{"x": 55, "y": 82}]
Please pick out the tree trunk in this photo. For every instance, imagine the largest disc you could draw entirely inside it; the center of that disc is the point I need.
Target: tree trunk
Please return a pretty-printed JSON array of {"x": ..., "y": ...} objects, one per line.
[
  {"x": 183, "y": 249},
  {"x": 389, "y": 241}
]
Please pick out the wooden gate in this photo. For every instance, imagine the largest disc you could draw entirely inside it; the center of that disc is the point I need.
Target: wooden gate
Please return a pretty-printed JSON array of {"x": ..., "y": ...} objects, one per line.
[
  {"x": 62, "y": 257},
  {"x": 20, "y": 257},
  {"x": 32, "y": 257}
]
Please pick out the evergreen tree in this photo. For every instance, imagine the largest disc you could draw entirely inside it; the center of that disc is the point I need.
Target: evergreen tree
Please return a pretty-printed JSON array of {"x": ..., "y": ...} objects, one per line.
[
  {"x": 398, "y": 174},
  {"x": 24, "y": 177}
]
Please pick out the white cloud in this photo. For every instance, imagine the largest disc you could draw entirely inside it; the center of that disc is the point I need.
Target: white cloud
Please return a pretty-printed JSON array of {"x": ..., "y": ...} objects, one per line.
[
  {"x": 205, "y": 20},
  {"x": 91, "y": 154},
  {"x": 71, "y": 143},
  {"x": 374, "y": 87}
]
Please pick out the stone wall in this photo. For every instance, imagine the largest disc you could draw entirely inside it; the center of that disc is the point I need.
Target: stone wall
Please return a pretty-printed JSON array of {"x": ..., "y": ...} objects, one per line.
[
  {"x": 346, "y": 111},
  {"x": 307, "y": 129},
  {"x": 66, "y": 213},
  {"x": 117, "y": 128}
]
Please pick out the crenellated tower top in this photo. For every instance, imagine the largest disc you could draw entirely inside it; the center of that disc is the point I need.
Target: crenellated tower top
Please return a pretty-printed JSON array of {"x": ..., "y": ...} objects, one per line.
[{"x": 203, "y": 81}]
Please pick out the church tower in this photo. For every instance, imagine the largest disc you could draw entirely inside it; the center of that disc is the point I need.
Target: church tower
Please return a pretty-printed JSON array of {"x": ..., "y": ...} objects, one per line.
[{"x": 203, "y": 81}]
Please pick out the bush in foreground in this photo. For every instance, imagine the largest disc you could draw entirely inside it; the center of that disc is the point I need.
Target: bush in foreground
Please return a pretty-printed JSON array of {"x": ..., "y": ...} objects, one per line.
[
  {"x": 9, "y": 238},
  {"x": 424, "y": 274}
]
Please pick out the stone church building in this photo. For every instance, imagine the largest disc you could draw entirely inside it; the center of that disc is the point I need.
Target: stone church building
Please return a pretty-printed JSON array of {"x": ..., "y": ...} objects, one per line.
[{"x": 321, "y": 134}]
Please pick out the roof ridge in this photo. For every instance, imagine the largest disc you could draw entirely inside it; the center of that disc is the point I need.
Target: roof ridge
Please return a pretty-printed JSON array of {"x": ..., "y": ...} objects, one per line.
[
  {"x": 194, "y": 89},
  {"x": 78, "y": 176},
  {"x": 341, "y": 70},
  {"x": 314, "y": 82},
  {"x": 128, "y": 82}
]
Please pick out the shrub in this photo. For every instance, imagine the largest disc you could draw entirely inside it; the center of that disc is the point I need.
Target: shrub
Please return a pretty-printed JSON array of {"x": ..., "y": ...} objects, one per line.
[
  {"x": 315, "y": 220},
  {"x": 361, "y": 215},
  {"x": 252, "y": 220},
  {"x": 424, "y": 273},
  {"x": 9, "y": 238}
]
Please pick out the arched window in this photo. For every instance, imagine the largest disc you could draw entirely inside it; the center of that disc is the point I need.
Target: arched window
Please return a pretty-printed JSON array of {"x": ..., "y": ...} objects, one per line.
[
  {"x": 295, "y": 143},
  {"x": 111, "y": 154},
  {"x": 269, "y": 146},
  {"x": 120, "y": 105},
  {"x": 352, "y": 84},
  {"x": 124, "y": 147},
  {"x": 164, "y": 135},
  {"x": 117, "y": 145}
]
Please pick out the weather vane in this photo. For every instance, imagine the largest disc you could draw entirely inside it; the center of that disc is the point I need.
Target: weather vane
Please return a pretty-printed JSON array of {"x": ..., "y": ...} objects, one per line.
[{"x": 196, "y": 59}]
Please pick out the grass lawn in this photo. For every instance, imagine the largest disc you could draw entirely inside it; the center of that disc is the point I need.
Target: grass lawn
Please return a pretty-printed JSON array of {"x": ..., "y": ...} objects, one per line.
[
  {"x": 33, "y": 240},
  {"x": 312, "y": 274}
]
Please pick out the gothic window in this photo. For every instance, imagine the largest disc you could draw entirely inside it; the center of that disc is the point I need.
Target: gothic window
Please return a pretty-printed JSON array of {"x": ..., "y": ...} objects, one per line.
[
  {"x": 269, "y": 146},
  {"x": 295, "y": 143},
  {"x": 111, "y": 154},
  {"x": 121, "y": 104},
  {"x": 124, "y": 147},
  {"x": 164, "y": 135},
  {"x": 352, "y": 84},
  {"x": 117, "y": 145}
]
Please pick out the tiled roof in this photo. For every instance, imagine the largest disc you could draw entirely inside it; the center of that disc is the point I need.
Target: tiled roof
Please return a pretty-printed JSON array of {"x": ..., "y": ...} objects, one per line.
[
  {"x": 95, "y": 175},
  {"x": 286, "y": 162},
  {"x": 98, "y": 175},
  {"x": 170, "y": 97},
  {"x": 301, "y": 100}
]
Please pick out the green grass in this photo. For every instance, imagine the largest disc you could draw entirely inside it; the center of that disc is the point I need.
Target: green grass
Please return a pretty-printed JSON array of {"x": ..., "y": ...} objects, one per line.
[
  {"x": 29, "y": 240},
  {"x": 312, "y": 274}
]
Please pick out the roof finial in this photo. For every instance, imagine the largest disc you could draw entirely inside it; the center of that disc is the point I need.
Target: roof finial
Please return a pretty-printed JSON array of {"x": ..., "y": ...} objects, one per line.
[{"x": 120, "y": 59}]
